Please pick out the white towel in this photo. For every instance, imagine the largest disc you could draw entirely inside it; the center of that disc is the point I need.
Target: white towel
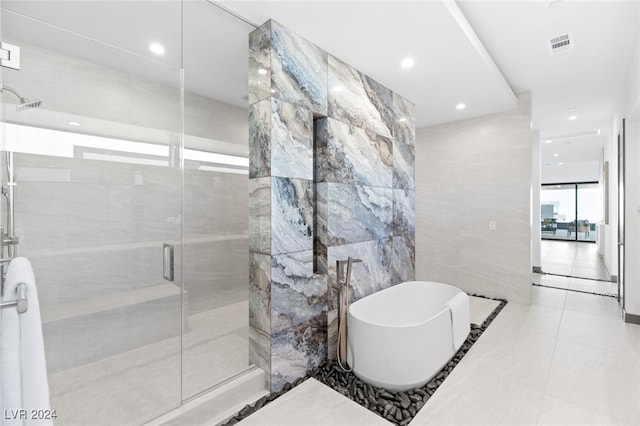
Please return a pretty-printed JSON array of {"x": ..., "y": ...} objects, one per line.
[
  {"x": 460, "y": 319},
  {"x": 24, "y": 370}
]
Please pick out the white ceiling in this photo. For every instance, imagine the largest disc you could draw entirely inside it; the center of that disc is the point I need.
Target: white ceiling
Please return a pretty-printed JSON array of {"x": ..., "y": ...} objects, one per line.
[{"x": 476, "y": 52}]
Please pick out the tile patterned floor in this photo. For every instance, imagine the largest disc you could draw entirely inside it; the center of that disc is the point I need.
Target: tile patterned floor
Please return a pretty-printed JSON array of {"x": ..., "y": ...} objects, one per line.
[
  {"x": 573, "y": 259},
  {"x": 566, "y": 359}
]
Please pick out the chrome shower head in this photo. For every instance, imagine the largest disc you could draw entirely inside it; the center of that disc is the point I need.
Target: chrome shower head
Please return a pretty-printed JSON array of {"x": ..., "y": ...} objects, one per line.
[{"x": 25, "y": 103}]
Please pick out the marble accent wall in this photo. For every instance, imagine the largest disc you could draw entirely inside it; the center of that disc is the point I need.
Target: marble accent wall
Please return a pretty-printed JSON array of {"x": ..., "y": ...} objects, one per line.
[
  {"x": 331, "y": 176},
  {"x": 473, "y": 172}
]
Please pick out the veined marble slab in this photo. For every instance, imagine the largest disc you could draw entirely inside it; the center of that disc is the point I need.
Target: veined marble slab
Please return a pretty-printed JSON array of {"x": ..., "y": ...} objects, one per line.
[
  {"x": 405, "y": 117},
  {"x": 403, "y": 143},
  {"x": 260, "y": 139},
  {"x": 291, "y": 141},
  {"x": 260, "y": 291},
  {"x": 298, "y": 70},
  {"x": 297, "y": 295},
  {"x": 260, "y": 63},
  {"x": 280, "y": 140},
  {"x": 370, "y": 276},
  {"x": 404, "y": 169},
  {"x": 404, "y": 212},
  {"x": 291, "y": 215},
  {"x": 296, "y": 350},
  {"x": 403, "y": 263},
  {"x": 357, "y": 213},
  {"x": 359, "y": 100},
  {"x": 348, "y": 154},
  {"x": 260, "y": 215},
  {"x": 260, "y": 351}
]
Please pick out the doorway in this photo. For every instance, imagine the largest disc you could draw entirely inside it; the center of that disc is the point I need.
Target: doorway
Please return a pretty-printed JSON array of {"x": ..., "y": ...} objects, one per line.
[
  {"x": 570, "y": 211},
  {"x": 569, "y": 217}
]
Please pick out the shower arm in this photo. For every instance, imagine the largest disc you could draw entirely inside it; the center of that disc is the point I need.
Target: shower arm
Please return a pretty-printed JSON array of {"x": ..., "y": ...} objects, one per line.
[
  {"x": 12, "y": 90},
  {"x": 25, "y": 104}
]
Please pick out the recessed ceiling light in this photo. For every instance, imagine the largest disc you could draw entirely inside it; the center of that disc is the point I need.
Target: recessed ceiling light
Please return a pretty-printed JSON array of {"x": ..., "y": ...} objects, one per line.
[
  {"x": 156, "y": 48},
  {"x": 407, "y": 62},
  {"x": 598, "y": 132},
  {"x": 573, "y": 117},
  {"x": 460, "y": 106},
  {"x": 547, "y": 141},
  {"x": 560, "y": 163},
  {"x": 262, "y": 71},
  {"x": 73, "y": 123},
  {"x": 556, "y": 155},
  {"x": 554, "y": 3}
]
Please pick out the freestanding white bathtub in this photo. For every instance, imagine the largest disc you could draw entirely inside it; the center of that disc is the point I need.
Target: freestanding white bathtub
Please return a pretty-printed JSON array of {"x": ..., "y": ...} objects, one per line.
[{"x": 400, "y": 337}]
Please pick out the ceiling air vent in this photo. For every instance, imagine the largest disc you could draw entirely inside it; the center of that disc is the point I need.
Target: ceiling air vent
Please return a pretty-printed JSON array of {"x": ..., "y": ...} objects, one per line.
[{"x": 561, "y": 43}]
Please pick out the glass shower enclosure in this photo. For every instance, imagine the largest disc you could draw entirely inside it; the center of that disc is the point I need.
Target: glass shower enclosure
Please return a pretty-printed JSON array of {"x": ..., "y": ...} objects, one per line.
[{"x": 130, "y": 199}]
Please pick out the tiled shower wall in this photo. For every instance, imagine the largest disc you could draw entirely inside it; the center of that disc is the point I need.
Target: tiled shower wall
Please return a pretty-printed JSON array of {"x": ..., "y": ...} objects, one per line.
[{"x": 331, "y": 176}]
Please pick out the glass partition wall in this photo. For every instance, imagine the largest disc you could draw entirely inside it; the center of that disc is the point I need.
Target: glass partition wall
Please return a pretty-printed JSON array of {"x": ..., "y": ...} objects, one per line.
[
  {"x": 570, "y": 211},
  {"x": 131, "y": 154}
]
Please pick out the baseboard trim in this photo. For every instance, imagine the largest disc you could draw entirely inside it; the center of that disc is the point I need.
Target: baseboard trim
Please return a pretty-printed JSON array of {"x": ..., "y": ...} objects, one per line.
[{"x": 631, "y": 318}]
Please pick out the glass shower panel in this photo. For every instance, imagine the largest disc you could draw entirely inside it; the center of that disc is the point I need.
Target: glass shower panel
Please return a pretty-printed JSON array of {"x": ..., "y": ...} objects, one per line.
[
  {"x": 98, "y": 190},
  {"x": 216, "y": 248}
]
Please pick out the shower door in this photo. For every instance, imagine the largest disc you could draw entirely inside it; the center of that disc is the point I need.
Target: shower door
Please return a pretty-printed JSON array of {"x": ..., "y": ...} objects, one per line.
[{"x": 97, "y": 195}]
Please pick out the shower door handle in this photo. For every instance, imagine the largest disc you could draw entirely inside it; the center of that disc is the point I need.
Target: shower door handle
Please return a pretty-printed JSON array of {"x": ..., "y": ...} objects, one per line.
[{"x": 167, "y": 261}]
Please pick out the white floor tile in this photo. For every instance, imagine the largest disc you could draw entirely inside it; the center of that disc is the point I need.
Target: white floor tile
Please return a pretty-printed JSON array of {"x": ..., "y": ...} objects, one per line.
[
  {"x": 582, "y": 302},
  {"x": 480, "y": 308},
  {"x": 603, "y": 381},
  {"x": 601, "y": 331},
  {"x": 494, "y": 403},
  {"x": 555, "y": 281},
  {"x": 556, "y": 412},
  {"x": 523, "y": 359},
  {"x": 312, "y": 403},
  {"x": 574, "y": 259},
  {"x": 545, "y": 296},
  {"x": 528, "y": 319},
  {"x": 591, "y": 286}
]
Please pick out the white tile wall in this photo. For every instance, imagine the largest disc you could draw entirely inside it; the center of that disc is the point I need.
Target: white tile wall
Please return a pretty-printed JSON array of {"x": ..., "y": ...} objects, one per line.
[{"x": 472, "y": 172}]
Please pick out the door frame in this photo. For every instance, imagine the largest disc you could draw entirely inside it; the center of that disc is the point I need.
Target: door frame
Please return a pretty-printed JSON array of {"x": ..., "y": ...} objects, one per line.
[{"x": 621, "y": 216}]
